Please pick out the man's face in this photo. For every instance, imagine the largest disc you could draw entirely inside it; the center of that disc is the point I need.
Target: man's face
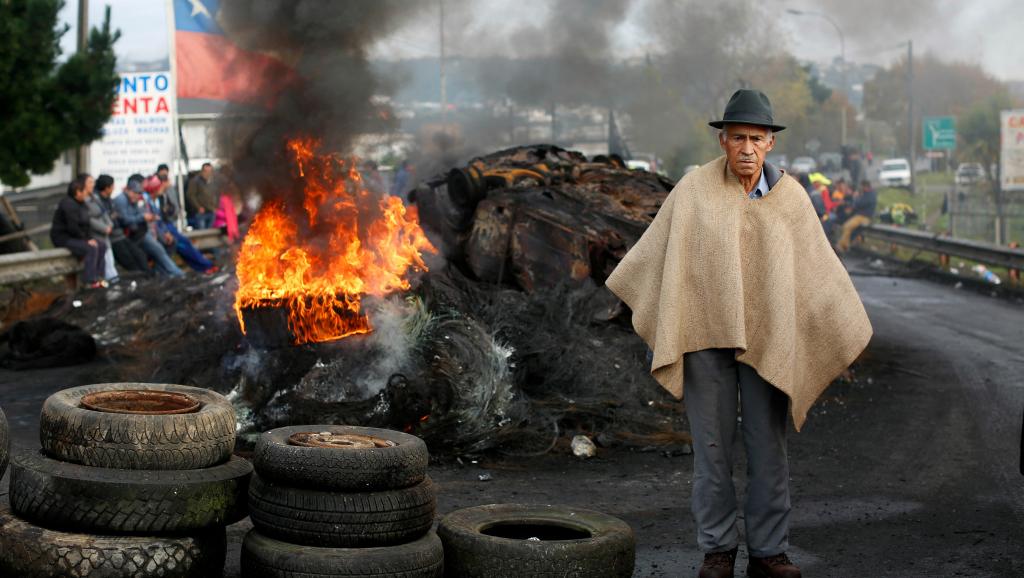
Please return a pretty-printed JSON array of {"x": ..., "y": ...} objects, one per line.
[
  {"x": 105, "y": 193},
  {"x": 162, "y": 173},
  {"x": 207, "y": 172},
  {"x": 745, "y": 147}
]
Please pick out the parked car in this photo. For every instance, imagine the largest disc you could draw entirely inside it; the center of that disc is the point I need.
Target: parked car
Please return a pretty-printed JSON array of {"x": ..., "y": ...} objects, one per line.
[
  {"x": 778, "y": 160},
  {"x": 969, "y": 173},
  {"x": 805, "y": 165},
  {"x": 830, "y": 162},
  {"x": 894, "y": 173}
]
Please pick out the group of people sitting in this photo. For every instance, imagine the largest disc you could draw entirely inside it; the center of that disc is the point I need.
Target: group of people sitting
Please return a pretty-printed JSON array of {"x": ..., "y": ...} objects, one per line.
[
  {"x": 842, "y": 209},
  {"x": 133, "y": 231}
]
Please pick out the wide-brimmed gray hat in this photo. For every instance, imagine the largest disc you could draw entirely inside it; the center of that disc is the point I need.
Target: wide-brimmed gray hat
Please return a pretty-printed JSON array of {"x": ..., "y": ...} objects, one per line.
[{"x": 748, "y": 107}]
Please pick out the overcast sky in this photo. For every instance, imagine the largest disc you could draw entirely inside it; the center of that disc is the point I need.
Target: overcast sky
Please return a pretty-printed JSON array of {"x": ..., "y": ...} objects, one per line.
[{"x": 985, "y": 32}]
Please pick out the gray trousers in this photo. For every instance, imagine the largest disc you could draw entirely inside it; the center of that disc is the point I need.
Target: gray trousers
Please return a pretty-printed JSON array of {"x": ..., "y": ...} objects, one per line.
[{"x": 712, "y": 378}]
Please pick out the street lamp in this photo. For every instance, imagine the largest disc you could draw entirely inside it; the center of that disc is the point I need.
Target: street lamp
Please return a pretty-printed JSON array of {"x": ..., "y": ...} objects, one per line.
[{"x": 842, "y": 55}]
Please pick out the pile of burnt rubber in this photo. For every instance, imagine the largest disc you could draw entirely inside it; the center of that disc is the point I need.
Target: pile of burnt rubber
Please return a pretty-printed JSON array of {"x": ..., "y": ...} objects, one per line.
[
  {"x": 341, "y": 501},
  {"x": 133, "y": 480}
]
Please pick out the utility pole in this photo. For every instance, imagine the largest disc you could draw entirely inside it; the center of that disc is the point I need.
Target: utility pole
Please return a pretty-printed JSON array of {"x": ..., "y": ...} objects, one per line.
[
  {"x": 910, "y": 115},
  {"x": 444, "y": 86},
  {"x": 81, "y": 158}
]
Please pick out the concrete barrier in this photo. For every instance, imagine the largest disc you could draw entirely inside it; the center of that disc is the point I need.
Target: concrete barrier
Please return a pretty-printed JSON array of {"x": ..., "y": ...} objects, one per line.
[{"x": 33, "y": 265}]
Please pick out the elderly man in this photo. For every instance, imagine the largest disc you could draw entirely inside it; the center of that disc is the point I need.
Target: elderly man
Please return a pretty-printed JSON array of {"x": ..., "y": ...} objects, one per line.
[{"x": 738, "y": 293}]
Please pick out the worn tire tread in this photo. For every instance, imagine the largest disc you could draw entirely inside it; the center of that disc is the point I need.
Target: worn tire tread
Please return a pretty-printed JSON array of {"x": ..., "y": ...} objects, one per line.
[
  {"x": 122, "y": 441},
  {"x": 610, "y": 552},
  {"x": 73, "y": 497},
  {"x": 265, "y": 557},
  {"x": 341, "y": 520},
  {"x": 343, "y": 470},
  {"x": 29, "y": 551}
]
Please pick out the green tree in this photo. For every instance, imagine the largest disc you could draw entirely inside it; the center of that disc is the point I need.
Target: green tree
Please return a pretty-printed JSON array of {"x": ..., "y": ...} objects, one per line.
[
  {"x": 979, "y": 129},
  {"x": 48, "y": 107},
  {"x": 819, "y": 92},
  {"x": 940, "y": 88}
]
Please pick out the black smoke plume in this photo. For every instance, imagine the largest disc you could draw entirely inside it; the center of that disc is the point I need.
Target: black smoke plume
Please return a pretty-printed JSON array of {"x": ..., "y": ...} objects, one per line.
[{"x": 329, "y": 95}]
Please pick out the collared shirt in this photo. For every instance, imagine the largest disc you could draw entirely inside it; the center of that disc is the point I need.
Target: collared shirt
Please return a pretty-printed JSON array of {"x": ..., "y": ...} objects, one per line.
[{"x": 761, "y": 189}]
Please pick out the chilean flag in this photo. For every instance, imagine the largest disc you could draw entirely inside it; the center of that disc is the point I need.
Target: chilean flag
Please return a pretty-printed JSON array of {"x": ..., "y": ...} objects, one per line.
[{"x": 210, "y": 66}]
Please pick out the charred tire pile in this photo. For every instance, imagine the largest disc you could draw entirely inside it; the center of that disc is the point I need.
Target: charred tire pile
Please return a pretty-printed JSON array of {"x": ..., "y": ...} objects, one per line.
[
  {"x": 341, "y": 501},
  {"x": 516, "y": 541},
  {"x": 133, "y": 480}
]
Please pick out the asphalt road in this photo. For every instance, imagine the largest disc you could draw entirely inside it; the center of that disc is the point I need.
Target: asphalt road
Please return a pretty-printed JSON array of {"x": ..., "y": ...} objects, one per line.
[{"x": 908, "y": 470}]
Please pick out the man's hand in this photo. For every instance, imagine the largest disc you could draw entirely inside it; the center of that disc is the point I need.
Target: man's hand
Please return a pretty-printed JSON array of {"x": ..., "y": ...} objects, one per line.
[
  {"x": 168, "y": 239},
  {"x": 150, "y": 217},
  {"x": 109, "y": 230},
  {"x": 93, "y": 243},
  {"x": 202, "y": 210}
]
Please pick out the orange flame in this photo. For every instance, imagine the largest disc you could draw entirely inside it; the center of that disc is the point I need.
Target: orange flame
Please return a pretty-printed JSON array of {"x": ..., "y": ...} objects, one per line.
[{"x": 356, "y": 244}]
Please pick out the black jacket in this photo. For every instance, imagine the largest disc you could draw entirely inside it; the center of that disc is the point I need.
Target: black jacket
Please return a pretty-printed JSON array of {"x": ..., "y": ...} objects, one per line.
[
  {"x": 866, "y": 203},
  {"x": 70, "y": 221}
]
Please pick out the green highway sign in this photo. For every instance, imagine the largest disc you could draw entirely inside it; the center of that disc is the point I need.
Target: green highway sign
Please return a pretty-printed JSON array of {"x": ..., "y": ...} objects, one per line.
[{"x": 939, "y": 133}]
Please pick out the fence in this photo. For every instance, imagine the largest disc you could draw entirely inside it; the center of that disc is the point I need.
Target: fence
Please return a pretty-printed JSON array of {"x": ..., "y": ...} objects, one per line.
[{"x": 973, "y": 215}]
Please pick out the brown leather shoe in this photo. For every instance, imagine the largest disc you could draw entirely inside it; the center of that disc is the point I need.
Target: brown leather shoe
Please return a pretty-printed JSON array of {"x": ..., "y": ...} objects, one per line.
[
  {"x": 718, "y": 564},
  {"x": 778, "y": 566}
]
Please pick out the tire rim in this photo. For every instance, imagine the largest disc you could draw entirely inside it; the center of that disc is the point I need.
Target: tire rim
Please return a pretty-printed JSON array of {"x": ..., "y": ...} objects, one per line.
[
  {"x": 141, "y": 402},
  {"x": 536, "y": 531},
  {"x": 330, "y": 440}
]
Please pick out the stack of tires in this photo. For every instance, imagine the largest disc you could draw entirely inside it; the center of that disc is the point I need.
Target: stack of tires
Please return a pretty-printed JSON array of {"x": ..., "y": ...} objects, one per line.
[
  {"x": 133, "y": 480},
  {"x": 341, "y": 501}
]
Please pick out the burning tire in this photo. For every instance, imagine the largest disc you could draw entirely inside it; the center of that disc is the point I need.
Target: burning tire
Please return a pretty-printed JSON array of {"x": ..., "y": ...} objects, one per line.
[
  {"x": 5, "y": 443},
  {"x": 391, "y": 459},
  {"x": 29, "y": 551},
  {"x": 264, "y": 557},
  {"x": 510, "y": 540},
  {"x": 73, "y": 497},
  {"x": 341, "y": 520},
  {"x": 141, "y": 433}
]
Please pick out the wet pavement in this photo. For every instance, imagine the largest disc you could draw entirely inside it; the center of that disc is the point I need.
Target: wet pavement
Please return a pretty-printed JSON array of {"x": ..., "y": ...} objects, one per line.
[{"x": 908, "y": 470}]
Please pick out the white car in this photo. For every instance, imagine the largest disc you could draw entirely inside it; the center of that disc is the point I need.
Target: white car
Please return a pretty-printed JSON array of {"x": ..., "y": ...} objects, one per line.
[
  {"x": 894, "y": 173},
  {"x": 805, "y": 165},
  {"x": 969, "y": 173}
]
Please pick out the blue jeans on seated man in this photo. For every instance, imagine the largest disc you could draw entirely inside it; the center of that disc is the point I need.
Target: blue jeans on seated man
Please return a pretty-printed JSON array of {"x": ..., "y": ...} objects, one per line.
[
  {"x": 188, "y": 252},
  {"x": 201, "y": 221},
  {"x": 155, "y": 251}
]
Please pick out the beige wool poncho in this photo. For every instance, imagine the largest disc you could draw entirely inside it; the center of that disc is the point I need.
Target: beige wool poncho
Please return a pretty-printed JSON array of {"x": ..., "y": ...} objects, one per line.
[{"x": 719, "y": 270}]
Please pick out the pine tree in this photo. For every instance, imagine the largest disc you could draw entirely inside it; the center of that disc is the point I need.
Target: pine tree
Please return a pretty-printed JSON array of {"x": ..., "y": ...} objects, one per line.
[{"x": 47, "y": 107}]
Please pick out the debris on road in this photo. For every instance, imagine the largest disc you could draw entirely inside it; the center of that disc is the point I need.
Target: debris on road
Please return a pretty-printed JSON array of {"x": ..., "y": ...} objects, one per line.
[{"x": 582, "y": 447}]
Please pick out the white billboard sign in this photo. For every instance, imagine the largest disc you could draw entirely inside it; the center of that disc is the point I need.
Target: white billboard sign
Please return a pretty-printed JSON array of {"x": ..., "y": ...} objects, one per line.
[
  {"x": 140, "y": 134},
  {"x": 1011, "y": 150}
]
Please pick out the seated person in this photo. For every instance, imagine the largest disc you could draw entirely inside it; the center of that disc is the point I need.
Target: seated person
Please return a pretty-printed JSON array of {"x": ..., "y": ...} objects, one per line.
[
  {"x": 163, "y": 208},
  {"x": 127, "y": 253},
  {"x": 133, "y": 217},
  {"x": 865, "y": 201},
  {"x": 71, "y": 230}
]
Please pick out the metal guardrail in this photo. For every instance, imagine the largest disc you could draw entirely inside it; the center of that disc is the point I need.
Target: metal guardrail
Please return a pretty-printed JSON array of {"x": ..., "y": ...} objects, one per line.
[
  {"x": 32, "y": 265},
  {"x": 986, "y": 253}
]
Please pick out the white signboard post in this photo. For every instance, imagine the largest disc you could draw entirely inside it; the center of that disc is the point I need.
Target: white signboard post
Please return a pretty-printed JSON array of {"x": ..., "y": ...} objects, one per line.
[
  {"x": 140, "y": 135},
  {"x": 1011, "y": 161}
]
